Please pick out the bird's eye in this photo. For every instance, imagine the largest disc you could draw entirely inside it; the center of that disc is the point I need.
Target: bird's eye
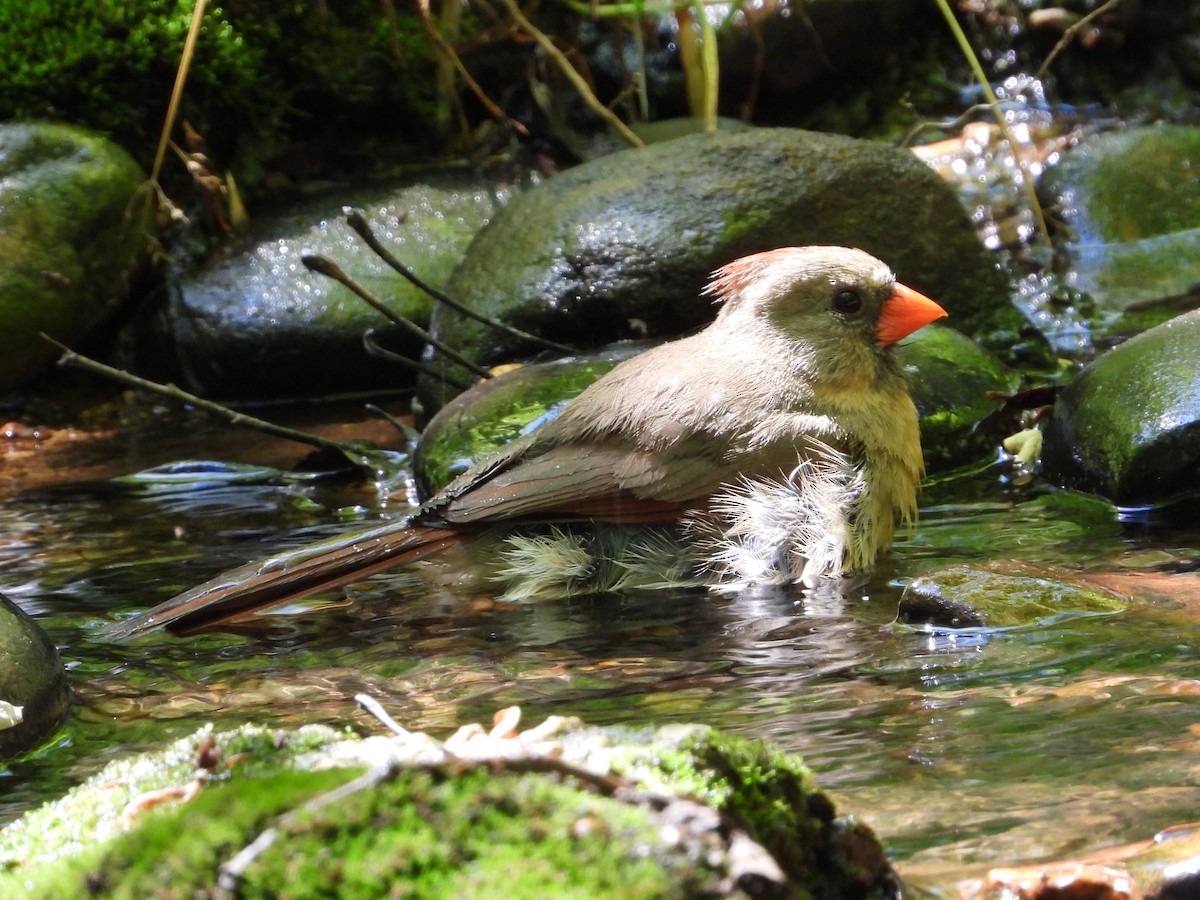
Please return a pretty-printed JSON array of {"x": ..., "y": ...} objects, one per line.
[{"x": 847, "y": 302}]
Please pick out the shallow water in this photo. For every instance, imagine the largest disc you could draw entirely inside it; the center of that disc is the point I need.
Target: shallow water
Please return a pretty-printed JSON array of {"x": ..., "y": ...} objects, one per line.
[{"x": 961, "y": 749}]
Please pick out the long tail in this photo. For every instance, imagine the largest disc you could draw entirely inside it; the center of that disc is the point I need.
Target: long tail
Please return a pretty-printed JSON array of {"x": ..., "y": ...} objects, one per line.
[{"x": 236, "y": 595}]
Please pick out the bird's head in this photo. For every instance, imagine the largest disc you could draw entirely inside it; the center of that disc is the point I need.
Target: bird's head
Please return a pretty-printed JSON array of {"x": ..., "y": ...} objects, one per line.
[{"x": 841, "y": 304}]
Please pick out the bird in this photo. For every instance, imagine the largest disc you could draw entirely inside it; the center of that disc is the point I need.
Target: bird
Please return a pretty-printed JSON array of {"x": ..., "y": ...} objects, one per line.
[{"x": 782, "y": 435}]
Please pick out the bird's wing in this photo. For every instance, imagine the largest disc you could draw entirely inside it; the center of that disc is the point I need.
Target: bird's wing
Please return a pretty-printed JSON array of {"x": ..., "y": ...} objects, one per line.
[{"x": 621, "y": 483}]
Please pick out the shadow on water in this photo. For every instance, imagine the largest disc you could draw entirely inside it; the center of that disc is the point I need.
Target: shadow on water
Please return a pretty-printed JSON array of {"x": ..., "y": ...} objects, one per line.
[{"x": 960, "y": 748}]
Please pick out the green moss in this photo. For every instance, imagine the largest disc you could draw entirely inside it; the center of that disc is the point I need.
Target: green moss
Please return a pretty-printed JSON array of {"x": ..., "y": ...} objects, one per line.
[
  {"x": 1135, "y": 174},
  {"x": 262, "y": 71},
  {"x": 470, "y": 835},
  {"x": 176, "y": 850},
  {"x": 772, "y": 793}
]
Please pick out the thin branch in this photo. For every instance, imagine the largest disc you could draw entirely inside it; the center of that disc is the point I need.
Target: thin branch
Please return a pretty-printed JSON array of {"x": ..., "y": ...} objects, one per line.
[
  {"x": 171, "y": 391},
  {"x": 357, "y": 221},
  {"x": 572, "y": 76},
  {"x": 181, "y": 73},
  {"x": 324, "y": 266},
  {"x": 1069, "y": 35},
  {"x": 448, "y": 51},
  {"x": 374, "y": 348}
]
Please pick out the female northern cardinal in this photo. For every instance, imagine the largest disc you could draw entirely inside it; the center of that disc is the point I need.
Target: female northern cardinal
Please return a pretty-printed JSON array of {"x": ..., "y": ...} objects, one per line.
[{"x": 786, "y": 422}]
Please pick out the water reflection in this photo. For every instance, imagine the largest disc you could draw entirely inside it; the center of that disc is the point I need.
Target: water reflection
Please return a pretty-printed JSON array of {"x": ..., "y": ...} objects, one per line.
[{"x": 958, "y": 746}]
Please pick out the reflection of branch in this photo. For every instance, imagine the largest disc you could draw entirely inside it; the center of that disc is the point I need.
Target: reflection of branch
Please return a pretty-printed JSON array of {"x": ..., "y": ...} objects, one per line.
[
  {"x": 356, "y": 220},
  {"x": 71, "y": 358},
  {"x": 572, "y": 76}
]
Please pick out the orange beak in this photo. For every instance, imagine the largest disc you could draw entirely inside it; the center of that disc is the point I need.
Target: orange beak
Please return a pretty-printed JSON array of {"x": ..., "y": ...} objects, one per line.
[{"x": 903, "y": 312}]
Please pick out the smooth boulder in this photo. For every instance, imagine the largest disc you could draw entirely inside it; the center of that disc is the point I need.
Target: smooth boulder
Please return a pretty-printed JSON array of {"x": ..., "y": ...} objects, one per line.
[
  {"x": 1131, "y": 201},
  {"x": 623, "y": 246},
  {"x": 1128, "y": 426},
  {"x": 254, "y": 322},
  {"x": 74, "y": 232},
  {"x": 34, "y": 694}
]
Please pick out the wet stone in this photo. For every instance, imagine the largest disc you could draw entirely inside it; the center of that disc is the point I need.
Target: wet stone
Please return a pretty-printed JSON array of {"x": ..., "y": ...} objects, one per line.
[
  {"x": 1131, "y": 201},
  {"x": 34, "y": 694},
  {"x": 999, "y": 594},
  {"x": 623, "y": 245},
  {"x": 1128, "y": 427},
  {"x": 72, "y": 238}
]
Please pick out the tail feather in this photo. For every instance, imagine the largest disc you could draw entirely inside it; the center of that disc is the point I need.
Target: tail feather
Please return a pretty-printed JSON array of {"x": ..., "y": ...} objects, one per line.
[{"x": 236, "y": 595}]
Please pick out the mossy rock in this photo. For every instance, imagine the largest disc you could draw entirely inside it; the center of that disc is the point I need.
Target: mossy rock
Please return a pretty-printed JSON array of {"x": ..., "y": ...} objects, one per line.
[
  {"x": 1000, "y": 594},
  {"x": 635, "y": 236},
  {"x": 1128, "y": 427},
  {"x": 73, "y": 233},
  {"x": 575, "y": 812},
  {"x": 34, "y": 694},
  {"x": 494, "y": 412},
  {"x": 949, "y": 376},
  {"x": 1131, "y": 199}
]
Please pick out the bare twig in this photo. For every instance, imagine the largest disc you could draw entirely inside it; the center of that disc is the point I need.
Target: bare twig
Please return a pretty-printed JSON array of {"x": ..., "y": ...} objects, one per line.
[
  {"x": 374, "y": 348},
  {"x": 181, "y": 73},
  {"x": 173, "y": 392},
  {"x": 1069, "y": 35},
  {"x": 448, "y": 51},
  {"x": 572, "y": 76},
  {"x": 325, "y": 266},
  {"x": 358, "y": 222}
]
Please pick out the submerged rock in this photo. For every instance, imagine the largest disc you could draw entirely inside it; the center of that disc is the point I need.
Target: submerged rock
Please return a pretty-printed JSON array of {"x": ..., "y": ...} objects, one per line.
[
  {"x": 1128, "y": 427},
  {"x": 1000, "y": 594},
  {"x": 34, "y": 694},
  {"x": 73, "y": 234},
  {"x": 683, "y": 811},
  {"x": 624, "y": 244}
]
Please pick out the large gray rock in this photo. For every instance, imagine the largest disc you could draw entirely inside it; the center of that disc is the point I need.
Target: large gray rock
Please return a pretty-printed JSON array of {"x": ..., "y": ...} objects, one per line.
[
  {"x": 255, "y": 322},
  {"x": 72, "y": 235},
  {"x": 635, "y": 235},
  {"x": 1128, "y": 427}
]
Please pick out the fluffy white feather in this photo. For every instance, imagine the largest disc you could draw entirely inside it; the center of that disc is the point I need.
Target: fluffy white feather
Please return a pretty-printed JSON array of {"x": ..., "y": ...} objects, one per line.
[
  {"x": 799, "y": 530},
  {"x": 757, "y": 532}
]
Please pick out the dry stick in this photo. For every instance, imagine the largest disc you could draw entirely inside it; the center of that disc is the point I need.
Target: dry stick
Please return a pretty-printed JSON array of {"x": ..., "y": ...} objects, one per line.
[
  {"x": 574, "y": 77},
  {"x": 374, "y": 349},
  {"x": 71, "y": 358},
  {"x": 356, "y": 220},
  {"x": 444, "y": 46},
  {"x": 324, "y": 266},
  {"x": 181, "y": 73}
]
